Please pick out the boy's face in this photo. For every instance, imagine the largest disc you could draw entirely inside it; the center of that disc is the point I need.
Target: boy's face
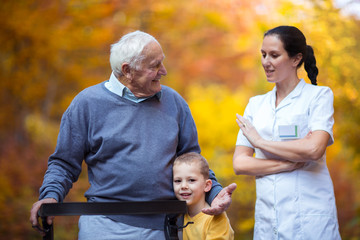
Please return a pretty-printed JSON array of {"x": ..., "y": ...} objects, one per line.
[{"x": 189, "y": 184}]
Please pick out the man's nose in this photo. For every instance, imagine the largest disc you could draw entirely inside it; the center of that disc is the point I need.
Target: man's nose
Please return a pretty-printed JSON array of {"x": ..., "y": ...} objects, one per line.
[{"x": 162, "y": 70}]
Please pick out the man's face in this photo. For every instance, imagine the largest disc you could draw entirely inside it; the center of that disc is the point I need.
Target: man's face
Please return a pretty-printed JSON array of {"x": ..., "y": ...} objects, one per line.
[{"x": 145, "y": 81}]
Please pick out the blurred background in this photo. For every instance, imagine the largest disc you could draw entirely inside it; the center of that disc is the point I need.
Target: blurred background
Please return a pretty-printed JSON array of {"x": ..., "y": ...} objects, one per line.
[{"x": 51, "y": 50}]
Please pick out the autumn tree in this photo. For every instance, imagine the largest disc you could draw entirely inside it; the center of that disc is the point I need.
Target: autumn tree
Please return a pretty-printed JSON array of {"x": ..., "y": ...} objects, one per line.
[{"x": 51, "y": 50}]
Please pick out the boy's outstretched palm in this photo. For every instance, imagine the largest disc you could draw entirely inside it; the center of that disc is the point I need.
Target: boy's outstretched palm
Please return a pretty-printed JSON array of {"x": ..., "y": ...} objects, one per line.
[{"x": 221, "y": 202}]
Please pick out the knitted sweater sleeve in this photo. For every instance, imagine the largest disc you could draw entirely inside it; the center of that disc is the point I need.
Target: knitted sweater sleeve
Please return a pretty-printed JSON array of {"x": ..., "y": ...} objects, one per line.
[{"x": 64, "y": 165}]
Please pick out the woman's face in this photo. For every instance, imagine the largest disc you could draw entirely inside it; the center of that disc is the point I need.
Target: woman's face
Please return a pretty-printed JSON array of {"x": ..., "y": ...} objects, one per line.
[{"x": 275, "y": 60}]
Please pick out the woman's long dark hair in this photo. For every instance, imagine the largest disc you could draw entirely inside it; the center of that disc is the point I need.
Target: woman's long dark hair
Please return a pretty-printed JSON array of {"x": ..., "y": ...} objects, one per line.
[{"x": 294, "y": 43}]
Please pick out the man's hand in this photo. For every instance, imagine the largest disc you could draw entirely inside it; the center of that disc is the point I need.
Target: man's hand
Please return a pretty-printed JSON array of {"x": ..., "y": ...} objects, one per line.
[
  {"x": 221, "y": 202},
  {"x": 34, "y": 218}
]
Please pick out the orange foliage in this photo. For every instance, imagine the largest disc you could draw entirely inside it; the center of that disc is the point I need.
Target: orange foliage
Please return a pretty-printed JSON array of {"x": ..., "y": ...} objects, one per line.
[{"x": 50, "y": 50}]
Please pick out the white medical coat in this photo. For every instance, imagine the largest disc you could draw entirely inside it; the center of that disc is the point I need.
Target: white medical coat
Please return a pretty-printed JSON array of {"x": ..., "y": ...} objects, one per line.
[{"x": 298, "y": 204}]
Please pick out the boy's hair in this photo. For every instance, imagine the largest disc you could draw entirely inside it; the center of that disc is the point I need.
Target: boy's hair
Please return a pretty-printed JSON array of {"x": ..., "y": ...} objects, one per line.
[{"x": 193, "y": 157}]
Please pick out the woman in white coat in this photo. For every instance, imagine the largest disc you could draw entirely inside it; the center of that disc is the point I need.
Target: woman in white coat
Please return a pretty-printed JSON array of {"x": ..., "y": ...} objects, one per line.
[{"x": 288, "y": 130}]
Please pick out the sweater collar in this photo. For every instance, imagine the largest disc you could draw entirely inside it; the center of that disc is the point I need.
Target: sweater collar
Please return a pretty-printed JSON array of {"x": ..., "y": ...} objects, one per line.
[{"x": 115, "y": 86}]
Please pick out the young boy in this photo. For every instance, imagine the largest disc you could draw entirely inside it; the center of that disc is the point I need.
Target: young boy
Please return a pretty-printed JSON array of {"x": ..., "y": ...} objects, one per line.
[{"x": 191, "y": 182}]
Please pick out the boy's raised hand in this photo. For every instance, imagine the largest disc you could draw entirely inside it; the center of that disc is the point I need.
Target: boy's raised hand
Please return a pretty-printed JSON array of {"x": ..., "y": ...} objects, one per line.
[{"x": 221, "y": 202}]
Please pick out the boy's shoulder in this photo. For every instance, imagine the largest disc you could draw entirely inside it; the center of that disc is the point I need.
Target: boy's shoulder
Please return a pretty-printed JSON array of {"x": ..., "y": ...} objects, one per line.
[
  {"x": 216, "y": 226},
  {"x": 202, "y": 217}
]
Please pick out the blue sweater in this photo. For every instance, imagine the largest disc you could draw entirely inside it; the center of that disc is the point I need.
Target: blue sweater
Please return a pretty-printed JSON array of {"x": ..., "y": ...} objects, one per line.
[{"x": 128, "y": 147}]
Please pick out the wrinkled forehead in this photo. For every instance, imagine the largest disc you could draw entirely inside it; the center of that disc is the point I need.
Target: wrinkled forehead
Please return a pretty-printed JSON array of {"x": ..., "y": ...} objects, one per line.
[{"x": 153, "y": 50}]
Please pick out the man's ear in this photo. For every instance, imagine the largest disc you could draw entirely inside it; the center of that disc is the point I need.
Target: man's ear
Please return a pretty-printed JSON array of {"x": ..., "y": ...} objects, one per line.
[
  {"x": 297, "y": 59},
  {"x": 126, "y": 70},
  {"x": 208, "y": 185}
]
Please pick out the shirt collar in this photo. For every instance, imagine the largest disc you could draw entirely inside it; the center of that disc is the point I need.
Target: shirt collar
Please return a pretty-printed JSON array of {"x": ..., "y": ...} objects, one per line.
[
  {"x": 297, "y": 90},
  {"x": 115, "y": 86},
  {"x": 294, "y": 93}
]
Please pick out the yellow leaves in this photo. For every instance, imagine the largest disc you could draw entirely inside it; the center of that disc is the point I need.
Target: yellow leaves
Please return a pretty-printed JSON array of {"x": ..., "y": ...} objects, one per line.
[
  {"x": 217, "y": 19},
  {"x": 213, "y": 108},
  {"x": 6, "y": 190},
  {"x": 351, "y": 93},
  {"x": 246, "y": 224},
  {"x": 50, "y": 50},
  {"x": 41, "y": 131}
]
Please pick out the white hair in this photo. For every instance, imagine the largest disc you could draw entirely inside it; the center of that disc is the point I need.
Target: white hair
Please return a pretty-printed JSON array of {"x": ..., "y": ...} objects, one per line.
[{"x": 128, "y": 49}]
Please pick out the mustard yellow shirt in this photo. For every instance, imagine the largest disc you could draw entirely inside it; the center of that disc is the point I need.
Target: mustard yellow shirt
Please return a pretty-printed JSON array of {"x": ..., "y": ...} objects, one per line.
[{"x": 208, "y": 227}]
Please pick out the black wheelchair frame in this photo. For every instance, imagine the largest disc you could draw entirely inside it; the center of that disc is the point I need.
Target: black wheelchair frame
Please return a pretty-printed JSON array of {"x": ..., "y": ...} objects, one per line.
[{"x": 172, "y": 208}]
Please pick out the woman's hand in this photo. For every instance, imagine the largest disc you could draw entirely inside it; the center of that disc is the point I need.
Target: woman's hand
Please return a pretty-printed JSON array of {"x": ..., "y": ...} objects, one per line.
[
  {"x": 249, "y": 131},
  {"x": 309, "y": 148},
  {"x": 285, "y": 166}
]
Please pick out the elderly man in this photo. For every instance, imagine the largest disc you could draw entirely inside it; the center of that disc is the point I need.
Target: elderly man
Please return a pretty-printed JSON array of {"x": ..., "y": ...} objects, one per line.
[{"x": 128, "y": 130}]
